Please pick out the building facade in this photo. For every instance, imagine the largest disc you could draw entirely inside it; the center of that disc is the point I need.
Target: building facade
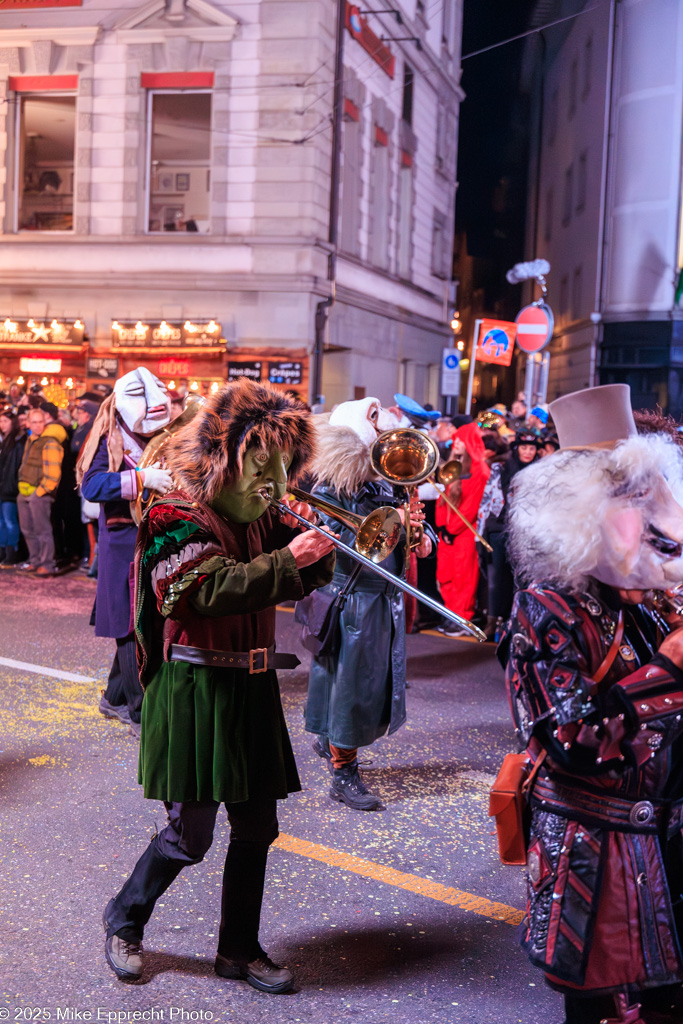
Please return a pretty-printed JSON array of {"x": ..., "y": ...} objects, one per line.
[
  {"x": 166, "y": 184},
  {"x": 606, "y": 195}
]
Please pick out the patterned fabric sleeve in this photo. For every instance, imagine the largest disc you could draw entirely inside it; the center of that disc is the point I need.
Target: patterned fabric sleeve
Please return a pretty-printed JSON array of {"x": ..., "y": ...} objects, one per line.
[{"x": 553, "y": 648}]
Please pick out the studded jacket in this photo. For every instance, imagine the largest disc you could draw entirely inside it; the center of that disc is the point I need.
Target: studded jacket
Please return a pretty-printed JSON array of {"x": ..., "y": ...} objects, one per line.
[{"x": 605, "y": 847}]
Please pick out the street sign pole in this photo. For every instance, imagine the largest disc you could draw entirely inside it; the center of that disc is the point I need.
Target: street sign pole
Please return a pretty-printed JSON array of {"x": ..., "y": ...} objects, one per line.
[
  {"x": 473, "y": 359},
  {"x": 543, "y": 378}
]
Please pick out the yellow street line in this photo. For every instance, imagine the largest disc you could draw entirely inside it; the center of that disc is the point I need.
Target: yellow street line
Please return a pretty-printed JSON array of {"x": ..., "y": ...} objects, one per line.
[{"x": 411, "y": 883}]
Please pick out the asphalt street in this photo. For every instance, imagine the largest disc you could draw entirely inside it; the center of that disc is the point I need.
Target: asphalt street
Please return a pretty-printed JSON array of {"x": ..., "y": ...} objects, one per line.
[{"x": 400, "y": 916}]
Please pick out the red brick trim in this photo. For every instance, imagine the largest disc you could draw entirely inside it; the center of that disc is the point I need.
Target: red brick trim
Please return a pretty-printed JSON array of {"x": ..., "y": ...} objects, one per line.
[
  {"x": 406, "y": 159},
  {"x": 381, "y": 137},
  {"x": 43, "y": 83},
  {"x": 177, "y": 80}
]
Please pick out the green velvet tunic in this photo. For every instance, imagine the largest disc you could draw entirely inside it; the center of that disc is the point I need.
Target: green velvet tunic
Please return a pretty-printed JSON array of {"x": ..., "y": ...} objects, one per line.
[{"x": 213, "y": 733}]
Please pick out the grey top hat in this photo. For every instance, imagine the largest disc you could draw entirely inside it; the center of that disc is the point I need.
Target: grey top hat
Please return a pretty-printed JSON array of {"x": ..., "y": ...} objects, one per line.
[{"x": 596, "y": 416}]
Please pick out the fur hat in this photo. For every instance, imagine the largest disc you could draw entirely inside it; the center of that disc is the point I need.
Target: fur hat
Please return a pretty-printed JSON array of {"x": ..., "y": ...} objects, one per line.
[{"x": 208, "y": 453}]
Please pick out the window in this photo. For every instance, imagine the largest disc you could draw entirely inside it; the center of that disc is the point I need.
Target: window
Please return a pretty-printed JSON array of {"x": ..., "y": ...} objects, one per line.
[
  {"x": 405, "y": 211},
  {"x": 45, "y": 162},
  {"x": 587, "y": 66},
  {"x": 553, "y": 113},
  {"x": 407, "y": 106},
  {"x": 573, "y": 86},
  {"x": 440, "y": 240},
  {"x": 381, "y": 188},
  {"x": 179, "y": 161},
  {"x": 351, "y": 181},
  {"x": 568, "y": 194},
  {"x": 576, "y": 293},
  {"x": 581, "y": 181},
  {"x": 549, "y": 203},
  {"x": 564, "y": 294}
]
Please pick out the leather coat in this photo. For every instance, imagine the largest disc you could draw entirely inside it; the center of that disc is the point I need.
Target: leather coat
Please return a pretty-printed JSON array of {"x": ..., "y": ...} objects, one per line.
[
  {"x": 359, "y": 694},
  {"x": 605, "y": 846}
]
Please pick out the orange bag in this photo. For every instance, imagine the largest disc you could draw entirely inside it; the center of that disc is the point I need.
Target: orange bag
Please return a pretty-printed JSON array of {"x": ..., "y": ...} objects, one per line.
[{"x": 507, "y": 803}]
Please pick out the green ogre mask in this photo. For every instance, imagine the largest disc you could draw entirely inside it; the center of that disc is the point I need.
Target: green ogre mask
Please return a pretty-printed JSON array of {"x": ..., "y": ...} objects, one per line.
[{"x": 263, "y": 472}]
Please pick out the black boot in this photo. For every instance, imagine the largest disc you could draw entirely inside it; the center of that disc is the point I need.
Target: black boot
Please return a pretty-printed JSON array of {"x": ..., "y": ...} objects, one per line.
[
  {"x": 347, "y": 787},
  {"x": 244, "y": 877},
  {"x": 128, "y": 913},
  {"x": 321, "y": 747}
]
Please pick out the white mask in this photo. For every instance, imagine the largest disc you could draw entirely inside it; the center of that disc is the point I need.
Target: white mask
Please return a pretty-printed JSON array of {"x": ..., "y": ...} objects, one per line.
[
  {"x": 142, "y": 401},
  {"x": 366, "y": 416}
]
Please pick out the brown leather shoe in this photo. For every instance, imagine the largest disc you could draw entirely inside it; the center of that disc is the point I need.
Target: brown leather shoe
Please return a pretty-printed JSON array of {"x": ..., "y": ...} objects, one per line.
[{"x": 261, "y": 973}]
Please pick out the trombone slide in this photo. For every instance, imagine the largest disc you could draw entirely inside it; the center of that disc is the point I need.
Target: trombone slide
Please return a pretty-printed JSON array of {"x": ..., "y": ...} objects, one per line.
[
  {"x": 384, "y": 573},
  {"x": 457, "y": 511}
]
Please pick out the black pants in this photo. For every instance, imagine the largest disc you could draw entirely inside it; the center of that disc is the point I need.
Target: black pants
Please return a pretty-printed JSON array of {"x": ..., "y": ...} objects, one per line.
[
  {"x": 185, "y": 840},
  {"x": 500, "y": 579},
  {"x": 123, "y": 685}
]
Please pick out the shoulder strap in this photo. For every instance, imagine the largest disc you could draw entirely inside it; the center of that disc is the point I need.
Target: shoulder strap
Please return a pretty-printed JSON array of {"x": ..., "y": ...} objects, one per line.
[{"x": 607, "y": 662}]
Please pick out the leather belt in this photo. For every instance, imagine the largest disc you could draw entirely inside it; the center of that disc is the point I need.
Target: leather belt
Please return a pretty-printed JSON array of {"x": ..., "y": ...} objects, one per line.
[
  {"x": 259, "y": 660},
  {"x": 644, "y": 816}
]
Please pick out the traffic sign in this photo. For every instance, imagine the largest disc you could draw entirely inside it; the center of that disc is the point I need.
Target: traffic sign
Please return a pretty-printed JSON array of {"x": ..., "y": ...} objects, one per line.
[
  {"x": 495, "y": 341},
  {"x": 535, "y": 324},
  {"x": 450, "y": 372}
]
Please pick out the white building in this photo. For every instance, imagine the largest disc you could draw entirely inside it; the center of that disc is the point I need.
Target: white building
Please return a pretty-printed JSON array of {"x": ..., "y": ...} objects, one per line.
[
  {"x": 607, "y": 209},
  {"x": 166, "y": 190}
]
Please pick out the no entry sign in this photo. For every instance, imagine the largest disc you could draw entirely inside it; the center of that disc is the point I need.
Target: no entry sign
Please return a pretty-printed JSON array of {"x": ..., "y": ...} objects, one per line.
[{"x": 535, "y": 325}]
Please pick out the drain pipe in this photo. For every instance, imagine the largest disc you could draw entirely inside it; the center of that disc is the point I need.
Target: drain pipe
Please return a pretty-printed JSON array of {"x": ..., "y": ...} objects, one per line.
[{"x": 323, "y": 308}]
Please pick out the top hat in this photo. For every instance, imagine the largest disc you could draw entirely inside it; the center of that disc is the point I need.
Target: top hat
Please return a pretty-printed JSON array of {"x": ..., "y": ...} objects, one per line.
[{"x": 596, "y": 417}]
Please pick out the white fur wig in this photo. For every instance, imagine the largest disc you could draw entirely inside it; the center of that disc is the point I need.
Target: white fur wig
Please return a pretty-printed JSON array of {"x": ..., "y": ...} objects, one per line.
[{"x": 559, "y": 506}]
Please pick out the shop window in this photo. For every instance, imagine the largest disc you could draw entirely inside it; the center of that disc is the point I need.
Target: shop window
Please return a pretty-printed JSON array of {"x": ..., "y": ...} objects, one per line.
[
  {"x": 179, "y": 161},
  {"x": 351, "y": 180},
  {"x": 45, "y": 166},
  {"x": 381, "y": 192}
]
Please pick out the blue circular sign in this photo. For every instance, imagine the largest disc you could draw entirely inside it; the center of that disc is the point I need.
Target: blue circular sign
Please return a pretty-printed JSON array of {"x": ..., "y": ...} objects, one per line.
[{"x": 452, "y": 362}]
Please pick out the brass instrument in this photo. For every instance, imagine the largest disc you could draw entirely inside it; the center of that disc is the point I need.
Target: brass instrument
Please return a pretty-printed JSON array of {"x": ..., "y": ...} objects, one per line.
[
  {"x": 446, "y": 475},
  {"x": 154, "y": 451},
  {"x": 409, "y": 457},
  {"x": 377, "y": 534},
  {"x": 360, "y": 556}
]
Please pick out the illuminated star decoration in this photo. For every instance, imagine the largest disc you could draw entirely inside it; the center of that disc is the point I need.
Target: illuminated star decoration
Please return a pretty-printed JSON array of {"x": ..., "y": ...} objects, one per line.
[{"x": 40, "y": 332}]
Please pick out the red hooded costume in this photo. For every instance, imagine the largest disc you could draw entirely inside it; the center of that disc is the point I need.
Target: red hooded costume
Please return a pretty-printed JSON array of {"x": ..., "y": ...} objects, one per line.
[{"x": 457, "y": 568}]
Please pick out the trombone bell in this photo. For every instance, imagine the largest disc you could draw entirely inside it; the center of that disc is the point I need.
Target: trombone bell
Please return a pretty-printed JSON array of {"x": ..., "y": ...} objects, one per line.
[
  {"x": 376, "y": 534},
  {"x": 404, "y": 456}
]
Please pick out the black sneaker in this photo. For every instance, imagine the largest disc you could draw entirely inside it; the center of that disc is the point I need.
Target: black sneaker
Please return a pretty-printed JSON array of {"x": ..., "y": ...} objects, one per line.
[
  {"x": 124, "y": 958},
  {"x": 348, "y": 788},
  {"x": 261, "y": 973}
]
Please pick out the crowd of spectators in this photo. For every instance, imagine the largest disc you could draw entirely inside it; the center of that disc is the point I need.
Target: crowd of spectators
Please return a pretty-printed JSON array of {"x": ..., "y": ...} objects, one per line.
[
  {"x": 45, "y": 527},
  {"x": 471, "y": 573}
]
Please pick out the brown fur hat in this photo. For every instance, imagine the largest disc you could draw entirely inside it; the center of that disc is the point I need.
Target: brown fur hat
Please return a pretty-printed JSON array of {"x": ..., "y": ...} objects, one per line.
[{"x": 207, "y": 454}]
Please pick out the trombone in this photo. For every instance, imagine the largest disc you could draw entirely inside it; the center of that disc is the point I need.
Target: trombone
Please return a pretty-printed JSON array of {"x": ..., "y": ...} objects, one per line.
[
  {"x": 365, "y": 557},
  {"x": 409, "y": 457}
]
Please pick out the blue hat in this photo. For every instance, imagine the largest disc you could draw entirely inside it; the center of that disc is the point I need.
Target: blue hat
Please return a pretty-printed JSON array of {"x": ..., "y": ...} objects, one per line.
[
  {"x": 412, "y": 408},
  {"x": 540, "y": 413}
]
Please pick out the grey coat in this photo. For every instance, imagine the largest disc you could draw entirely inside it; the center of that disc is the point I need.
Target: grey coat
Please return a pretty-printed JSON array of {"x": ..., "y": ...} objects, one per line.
[{"x": 358, "y": 695}]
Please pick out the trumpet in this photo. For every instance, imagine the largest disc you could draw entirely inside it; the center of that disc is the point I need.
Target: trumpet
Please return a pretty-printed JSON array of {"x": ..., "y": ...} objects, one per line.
[
  {"x": 409, "y": 457},
  {"x": 154, "y": 451},
  {"x": 361, "y": 553}
]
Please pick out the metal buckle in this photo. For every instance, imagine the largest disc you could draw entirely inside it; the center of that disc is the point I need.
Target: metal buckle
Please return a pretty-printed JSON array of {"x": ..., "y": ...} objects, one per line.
[
  {"x": 258, "y": 650},
  {"x": 642, "y": 813}
]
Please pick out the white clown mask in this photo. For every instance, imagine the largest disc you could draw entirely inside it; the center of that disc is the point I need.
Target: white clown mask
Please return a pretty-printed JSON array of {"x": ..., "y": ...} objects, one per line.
[
  {"x": 366, "y": 417},
  {"x": 142, "y": 401}
]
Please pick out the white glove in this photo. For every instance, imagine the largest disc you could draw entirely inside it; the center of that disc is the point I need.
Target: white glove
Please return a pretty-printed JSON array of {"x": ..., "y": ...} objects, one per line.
[{"x": 156, "y": 479}]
